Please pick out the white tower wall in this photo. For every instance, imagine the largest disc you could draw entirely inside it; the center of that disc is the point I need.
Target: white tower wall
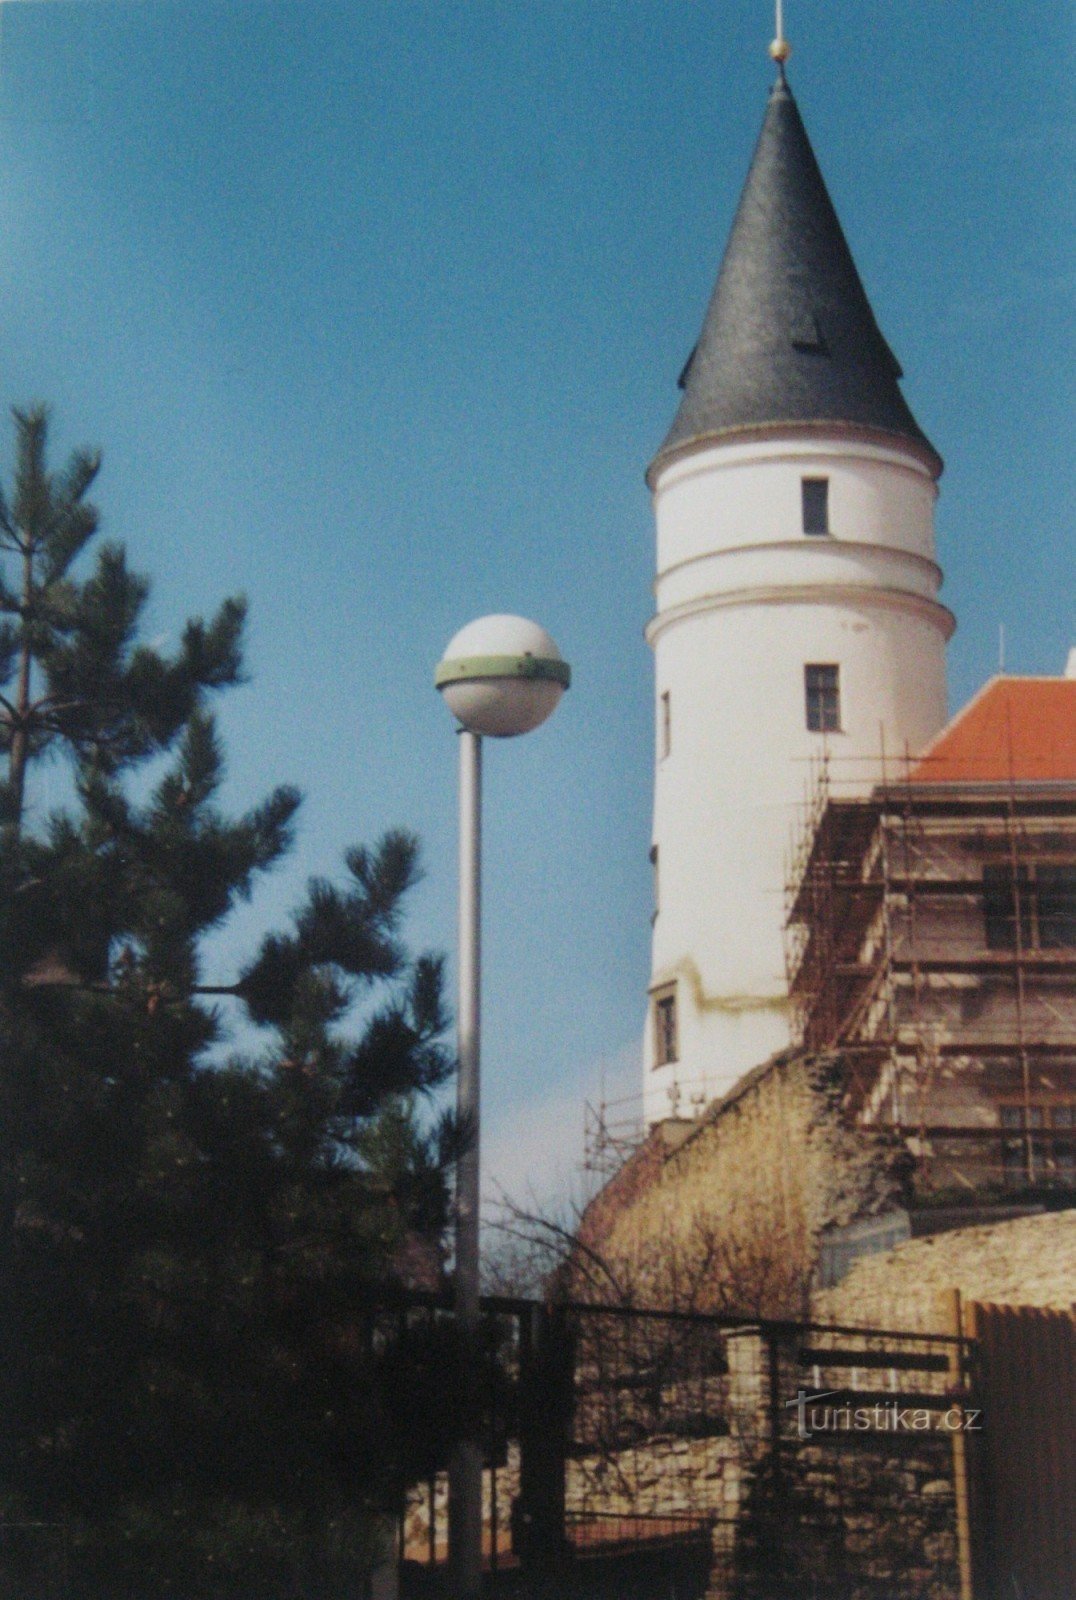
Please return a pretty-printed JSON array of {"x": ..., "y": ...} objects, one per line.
[{"x": 745, "y": 601}]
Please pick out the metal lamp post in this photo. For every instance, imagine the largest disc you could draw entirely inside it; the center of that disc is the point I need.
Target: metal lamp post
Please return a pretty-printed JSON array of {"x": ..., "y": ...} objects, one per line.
[{"x": 500, "y": 677}]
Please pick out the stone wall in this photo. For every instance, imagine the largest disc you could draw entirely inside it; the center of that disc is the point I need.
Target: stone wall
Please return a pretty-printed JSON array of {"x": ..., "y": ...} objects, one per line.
[
  {"x": 859, "y": 1522},
  {"x": 858, "y": 1515},
  {"x": 728, "y": 1216},
  {"x": 1030, "y": 1261}
]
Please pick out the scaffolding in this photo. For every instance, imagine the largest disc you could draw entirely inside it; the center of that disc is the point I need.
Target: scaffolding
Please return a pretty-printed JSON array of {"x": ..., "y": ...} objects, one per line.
[
  {"x": 613, "y": 1129},
  {"x": 612, "y": 1132},
  {"x": 931, "y": 940}
]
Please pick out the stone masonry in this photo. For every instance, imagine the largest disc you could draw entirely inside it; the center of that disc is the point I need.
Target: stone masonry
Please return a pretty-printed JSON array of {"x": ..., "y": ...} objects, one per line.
[
  {"x": 727, "y": 1215},
  {"x": 1030, "y": 1261}
]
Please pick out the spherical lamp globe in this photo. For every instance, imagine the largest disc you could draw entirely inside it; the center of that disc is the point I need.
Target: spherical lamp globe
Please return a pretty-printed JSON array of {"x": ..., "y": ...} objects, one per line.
[{"x": 502, "y": 676}]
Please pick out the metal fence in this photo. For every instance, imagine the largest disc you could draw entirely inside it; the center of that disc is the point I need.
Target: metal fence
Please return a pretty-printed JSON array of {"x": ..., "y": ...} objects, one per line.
[
  {"x": 646, "y": 1453},
  {"x": 635, "y": 1451}
]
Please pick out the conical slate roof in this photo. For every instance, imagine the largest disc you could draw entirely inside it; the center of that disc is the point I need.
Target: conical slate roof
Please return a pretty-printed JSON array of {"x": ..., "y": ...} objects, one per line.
[{"x": 789, "y": 336}]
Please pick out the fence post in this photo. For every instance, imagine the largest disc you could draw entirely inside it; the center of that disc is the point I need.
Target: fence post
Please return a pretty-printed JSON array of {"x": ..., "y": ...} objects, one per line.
[
  {"x": 954, "y": 1324},
  {"x": 747, "y": 1403},
  {"x": 763, "y": 1380},
  {"x": 546, "y": 1403}
]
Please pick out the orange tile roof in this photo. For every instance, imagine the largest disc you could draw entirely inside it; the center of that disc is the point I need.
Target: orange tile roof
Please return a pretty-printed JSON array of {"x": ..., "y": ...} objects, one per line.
[{"x": 1019, "y": 729}]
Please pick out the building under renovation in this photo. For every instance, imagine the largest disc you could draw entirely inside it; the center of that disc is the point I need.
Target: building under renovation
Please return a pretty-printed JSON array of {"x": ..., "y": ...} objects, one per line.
[{"x": 932, "y": 942}]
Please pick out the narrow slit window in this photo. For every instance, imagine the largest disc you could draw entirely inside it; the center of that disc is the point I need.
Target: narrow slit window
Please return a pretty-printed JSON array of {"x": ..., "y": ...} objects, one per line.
[
  {"x": 665, "y": 725},
  {"x": 815, "y": 505},
  {"x": 666, "y": 1043},
  {"x": 823, "y": 690}
]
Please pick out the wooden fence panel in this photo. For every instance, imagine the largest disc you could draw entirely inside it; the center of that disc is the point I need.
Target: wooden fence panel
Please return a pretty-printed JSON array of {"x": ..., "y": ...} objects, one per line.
[{"x": 1026, "y": 1383}]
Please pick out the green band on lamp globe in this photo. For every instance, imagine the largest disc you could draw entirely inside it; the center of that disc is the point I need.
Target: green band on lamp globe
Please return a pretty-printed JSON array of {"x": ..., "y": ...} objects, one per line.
[{"x": 476, "y": 669}]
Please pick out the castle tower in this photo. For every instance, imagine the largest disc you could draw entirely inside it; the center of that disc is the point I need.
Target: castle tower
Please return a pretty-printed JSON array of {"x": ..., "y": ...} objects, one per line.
[{"x": 796, "y": 612}]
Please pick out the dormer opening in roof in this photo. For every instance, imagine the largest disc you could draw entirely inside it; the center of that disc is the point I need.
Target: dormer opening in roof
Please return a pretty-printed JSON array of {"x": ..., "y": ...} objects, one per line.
[{"x": 797, "y": 612}]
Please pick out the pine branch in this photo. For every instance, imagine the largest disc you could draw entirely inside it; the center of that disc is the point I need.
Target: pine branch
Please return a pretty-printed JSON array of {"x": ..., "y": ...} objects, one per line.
[
  {"x": 73, "y": 527},
  {"x": 385, "y": 873},
  {"x": 211, "y": 655},
  {"x": 31, "y": 503}
]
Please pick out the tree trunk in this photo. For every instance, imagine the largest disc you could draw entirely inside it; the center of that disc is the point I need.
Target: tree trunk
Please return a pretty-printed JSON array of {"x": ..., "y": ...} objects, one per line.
[{"x": 20, "y": 734}]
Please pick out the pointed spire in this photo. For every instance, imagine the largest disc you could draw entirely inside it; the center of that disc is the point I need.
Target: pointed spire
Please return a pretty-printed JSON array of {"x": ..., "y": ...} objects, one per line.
[{"x": 789, "y": 336}]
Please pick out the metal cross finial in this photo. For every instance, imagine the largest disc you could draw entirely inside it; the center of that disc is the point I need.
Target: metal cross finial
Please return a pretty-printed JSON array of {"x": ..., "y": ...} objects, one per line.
[{"x": 780, "y": 49}]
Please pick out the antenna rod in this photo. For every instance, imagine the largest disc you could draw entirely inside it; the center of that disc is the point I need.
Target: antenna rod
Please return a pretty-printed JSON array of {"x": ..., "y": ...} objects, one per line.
[{"x": 780, "y": 49}]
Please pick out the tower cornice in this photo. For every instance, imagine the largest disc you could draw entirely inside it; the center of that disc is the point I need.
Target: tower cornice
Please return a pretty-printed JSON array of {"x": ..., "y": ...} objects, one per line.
[
  {"x": 794, "y": 550},
  {"x": 793, "y": 594},
  {"x": 837, "y": 432}
]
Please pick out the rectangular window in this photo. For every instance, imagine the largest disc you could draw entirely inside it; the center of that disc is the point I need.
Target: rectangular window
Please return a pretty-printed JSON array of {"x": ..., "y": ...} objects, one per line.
[
  {"x": 1016, "y": 1152},
  {"x": 1013, "y": 1164},
  {"x": 1003, "y": 895},
  {"x": 666, "y": 1049},
  {"x": 1039, "y": 1114},
  {"x": 665, "y": 725},
  {"x": 1038, "y": 1145},
  {"x": 823, "y": 689},
  {"x": 1063, "y": 1118},
  {"x": 815, "y": 505},
  {"x": 1043, "y": 896},
  {"x": 1055, "y": 896}
]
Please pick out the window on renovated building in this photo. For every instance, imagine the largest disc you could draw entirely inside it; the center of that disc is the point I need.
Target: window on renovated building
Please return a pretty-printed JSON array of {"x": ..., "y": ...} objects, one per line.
[
  {"x": 1038, "y": 899},
  {"x": 1063, "y": 1119},
  {"x": 1006, "y": 906},
  {"x": 665, "y": 725},
  {"x": 657, "y": 881},
  {"x": 666, "y": 1044},
  {"x": 815, "y": 505},
  {"x": 1040, "y": 1144},
  {"x": 823, "y": 690},
  {"x": 1055, "y": 906}
]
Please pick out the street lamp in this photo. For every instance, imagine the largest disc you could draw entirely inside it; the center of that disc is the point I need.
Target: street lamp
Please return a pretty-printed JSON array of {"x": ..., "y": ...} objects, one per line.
[{"x": 500, "y": 676}]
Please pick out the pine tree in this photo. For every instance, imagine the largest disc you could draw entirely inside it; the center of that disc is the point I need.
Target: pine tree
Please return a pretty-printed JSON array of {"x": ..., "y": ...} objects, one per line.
[
  {"x": 68, "y": 659},
  {"x": 187, "y": 1241}
]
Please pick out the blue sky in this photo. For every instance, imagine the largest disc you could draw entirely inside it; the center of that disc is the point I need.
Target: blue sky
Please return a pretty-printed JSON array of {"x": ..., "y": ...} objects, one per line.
[{"x": 377, "y": 310}]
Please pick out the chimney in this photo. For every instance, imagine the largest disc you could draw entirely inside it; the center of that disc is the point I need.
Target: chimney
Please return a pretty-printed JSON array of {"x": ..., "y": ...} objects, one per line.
[{"x": 1070, "y": 666}]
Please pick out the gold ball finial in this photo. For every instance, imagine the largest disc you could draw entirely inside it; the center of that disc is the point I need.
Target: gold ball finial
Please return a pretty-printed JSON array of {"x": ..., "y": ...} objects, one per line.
[{"x": 780, "y": 50}]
